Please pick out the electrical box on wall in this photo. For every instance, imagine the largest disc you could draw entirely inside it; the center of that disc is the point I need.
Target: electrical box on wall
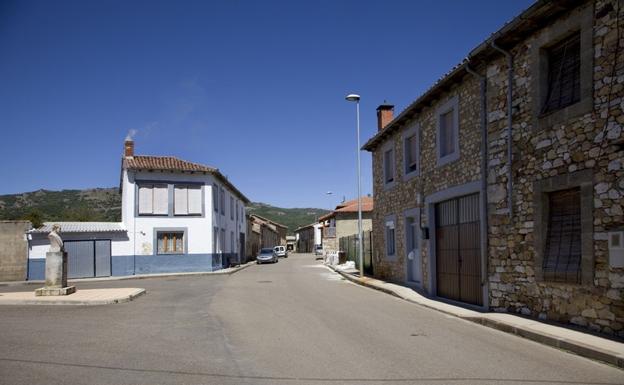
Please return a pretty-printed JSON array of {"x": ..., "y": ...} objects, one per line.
[{"x": 616, "y": 249}]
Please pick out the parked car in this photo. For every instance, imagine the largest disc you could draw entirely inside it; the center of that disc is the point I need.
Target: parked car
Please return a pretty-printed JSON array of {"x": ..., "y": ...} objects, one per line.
[
  {"x": 281, "y": 251},
  {"x": 318, "y": 250},
  {"x": 266, "y": 255}
]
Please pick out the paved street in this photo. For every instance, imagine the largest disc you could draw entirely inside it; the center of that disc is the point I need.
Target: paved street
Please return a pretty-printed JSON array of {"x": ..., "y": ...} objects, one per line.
[{"x": 293, "y": 322}]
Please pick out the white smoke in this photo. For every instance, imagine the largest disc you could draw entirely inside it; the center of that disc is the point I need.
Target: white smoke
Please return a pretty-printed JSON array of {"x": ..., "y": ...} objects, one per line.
[{"x": 131, "y": 134}]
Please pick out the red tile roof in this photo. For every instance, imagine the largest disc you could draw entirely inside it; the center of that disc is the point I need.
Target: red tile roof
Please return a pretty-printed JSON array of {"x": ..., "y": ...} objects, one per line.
[
  {"x": 171, "y": 163},
  {"x": 350, "y": 207},
  {"x": 143, "y": 162}
]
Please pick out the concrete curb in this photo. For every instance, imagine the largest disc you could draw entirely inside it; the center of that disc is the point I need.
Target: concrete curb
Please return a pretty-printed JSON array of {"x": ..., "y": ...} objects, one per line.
[
  {"x": 228, "y": 271},
  {"x": 563, "y": 343},
  {"x": 122, "y": 299}
]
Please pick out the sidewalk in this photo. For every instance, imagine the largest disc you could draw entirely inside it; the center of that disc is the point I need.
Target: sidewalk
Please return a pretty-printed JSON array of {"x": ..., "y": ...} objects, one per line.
[
  {"x": 227, "y": 271},
  {"x": 583, "y": 344},
  {"x": 80, "y": 297}
]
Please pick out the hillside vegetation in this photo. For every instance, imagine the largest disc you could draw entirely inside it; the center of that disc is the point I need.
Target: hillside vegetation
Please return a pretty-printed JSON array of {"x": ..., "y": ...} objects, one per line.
[{"x": 104, "y": 204}]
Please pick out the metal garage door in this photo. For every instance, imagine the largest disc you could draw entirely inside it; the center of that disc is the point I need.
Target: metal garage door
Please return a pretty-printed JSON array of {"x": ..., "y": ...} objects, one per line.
[
  {"x": 88, "y": 258},
  {"x": 458, "y": 250}
]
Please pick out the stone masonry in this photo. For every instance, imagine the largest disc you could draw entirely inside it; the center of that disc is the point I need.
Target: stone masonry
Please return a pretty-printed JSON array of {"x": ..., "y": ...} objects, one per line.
[{"x": 579, "y": 146}]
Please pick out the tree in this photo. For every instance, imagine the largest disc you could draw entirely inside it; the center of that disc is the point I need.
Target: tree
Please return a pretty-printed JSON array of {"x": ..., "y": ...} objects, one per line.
[{"x": 35, "y": 217}]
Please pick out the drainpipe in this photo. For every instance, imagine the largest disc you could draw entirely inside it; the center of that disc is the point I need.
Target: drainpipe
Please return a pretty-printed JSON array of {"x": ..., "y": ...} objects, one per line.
[
  {"x": 484, "y": 163},
  {"x": 509, "y": 119}
]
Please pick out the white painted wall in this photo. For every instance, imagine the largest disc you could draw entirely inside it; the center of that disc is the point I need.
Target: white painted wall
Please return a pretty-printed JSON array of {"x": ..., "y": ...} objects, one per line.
[
  {"x": 139, "y": 238},
  {"x": 199, "y": 229},
  {"x": 39, "y": 245},
  {"x": 318, "y": 229}
]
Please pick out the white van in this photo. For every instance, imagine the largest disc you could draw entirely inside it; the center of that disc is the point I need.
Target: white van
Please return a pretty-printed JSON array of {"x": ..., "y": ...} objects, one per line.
[{"x": 281, "y": 251}]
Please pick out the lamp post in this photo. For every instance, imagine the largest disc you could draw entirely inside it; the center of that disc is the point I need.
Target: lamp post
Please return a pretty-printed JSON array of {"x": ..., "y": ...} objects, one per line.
[{"x": 356, "y": 98}]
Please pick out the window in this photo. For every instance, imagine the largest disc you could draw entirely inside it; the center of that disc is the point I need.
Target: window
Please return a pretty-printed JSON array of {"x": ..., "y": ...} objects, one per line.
[
  {"x": 215, "y": 197},
  {"x": 222, "y": 201},
  {"x": 153, "y": 199},
  {"x": 222, "y": 241},
  {"x": 215, "y": 240},
  {"x": 564, "y": 74},
  {"x": 231, "y": 241},
  {"x": 447, "y": 143},
  {"x": 237, "y": 211},
  {"x": 390, "y": 242},
  {"x": 447, "y": 138},
  {"x": 410, "y": 151},
  {"x": 562, "y": 254},
  {"x": 170, "y": 242},
  {"x": 231, "y": 207},
  {"x": 411, "y": 155},
  {"x": 388, "y": 166},
  {"x": 187, "y": 200}
]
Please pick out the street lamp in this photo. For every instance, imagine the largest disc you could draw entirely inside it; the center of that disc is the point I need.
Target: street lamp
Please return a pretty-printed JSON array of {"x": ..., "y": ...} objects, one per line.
[{"x": 356, "y": 98}]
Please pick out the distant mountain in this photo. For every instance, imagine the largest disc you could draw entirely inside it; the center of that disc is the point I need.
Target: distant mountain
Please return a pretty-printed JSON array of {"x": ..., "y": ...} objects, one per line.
[
  {"x": 104, "y": 204},
  {"x": 291, "y": 218},
  {"x": 98, "y": 204}
]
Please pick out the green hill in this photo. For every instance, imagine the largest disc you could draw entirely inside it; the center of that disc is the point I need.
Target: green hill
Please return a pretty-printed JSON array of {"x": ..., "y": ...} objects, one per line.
[
  {"x": 104, "y": 204},
  {"x": 291, "y": 218}
]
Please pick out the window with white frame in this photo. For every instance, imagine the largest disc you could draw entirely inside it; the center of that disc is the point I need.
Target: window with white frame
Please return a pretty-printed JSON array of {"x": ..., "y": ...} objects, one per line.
[
  {"x": 447, "y": 138},
  {"x": 153, "y": 199},
  {"x": 390, "y": 236},
  {"x": 170, "y": 242},
  {"x": 388, "y": 163},
  {"x": 215, "y": 197},
  {"x": 187, "y": 200},
  {"x": 411, "y": 147}
]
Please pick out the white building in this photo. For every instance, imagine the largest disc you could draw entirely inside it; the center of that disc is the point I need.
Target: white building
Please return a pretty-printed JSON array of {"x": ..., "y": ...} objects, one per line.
[{"x": 177, "y": 216}]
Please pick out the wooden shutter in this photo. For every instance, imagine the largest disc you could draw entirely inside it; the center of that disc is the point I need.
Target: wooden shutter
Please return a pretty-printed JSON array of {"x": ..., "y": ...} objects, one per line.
[
  {"x": 564, "y": 74},
  {"x": 180, "y": 200},
  {"x": 145, "y": 199},
  {"x": 160, "y": 199},
  {"x": 194, "y": 200},
  {"x": 562, "y": 255},
  {"x": 447, "y": 140},
  {"x": 389, "y": 166}
]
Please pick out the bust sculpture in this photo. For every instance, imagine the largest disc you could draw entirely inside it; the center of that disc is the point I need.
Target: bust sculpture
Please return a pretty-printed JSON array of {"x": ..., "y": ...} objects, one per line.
[{"x": 56, "y": 243}]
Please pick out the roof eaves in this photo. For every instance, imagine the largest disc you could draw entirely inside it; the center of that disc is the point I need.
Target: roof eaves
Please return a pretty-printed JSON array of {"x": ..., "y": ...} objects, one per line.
[{"x": 543, "y": 8}]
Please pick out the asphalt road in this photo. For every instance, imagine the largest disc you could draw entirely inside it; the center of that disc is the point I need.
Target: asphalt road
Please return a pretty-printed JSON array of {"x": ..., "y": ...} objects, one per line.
[{"x": 294, "y": 322}]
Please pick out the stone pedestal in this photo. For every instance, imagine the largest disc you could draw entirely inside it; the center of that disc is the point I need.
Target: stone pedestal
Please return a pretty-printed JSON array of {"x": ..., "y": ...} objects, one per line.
[{"x": 56, "y": 275}]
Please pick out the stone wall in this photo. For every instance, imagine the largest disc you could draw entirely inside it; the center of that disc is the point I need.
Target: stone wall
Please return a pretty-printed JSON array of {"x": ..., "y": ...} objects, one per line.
[
  {"x": 13, "y": 250},
  {"x": 545, "y": 150},
  {"x": 578, "y": 145},
  {"x": 409, "y": 193}
]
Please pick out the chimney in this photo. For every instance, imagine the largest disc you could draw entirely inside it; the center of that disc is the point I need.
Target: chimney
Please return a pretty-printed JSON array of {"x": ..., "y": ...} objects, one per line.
[
  {"x": 385, "y": 114},
  {"x": 128, "y": 148}
]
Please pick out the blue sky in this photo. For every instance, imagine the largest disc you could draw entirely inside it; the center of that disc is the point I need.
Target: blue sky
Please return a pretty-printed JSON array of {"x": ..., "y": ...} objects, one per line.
[{"x": 255, "y": 88}]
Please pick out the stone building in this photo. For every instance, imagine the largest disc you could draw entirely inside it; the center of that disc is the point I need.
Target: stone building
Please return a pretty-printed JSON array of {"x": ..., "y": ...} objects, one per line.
[
  {"x": 14, "y": 250},
  {"x": 305, "y": 238},
  {"x": 271, "y": 233},
  {"x": 343, "y": 222},
  {"x": 501, "y": 187}
]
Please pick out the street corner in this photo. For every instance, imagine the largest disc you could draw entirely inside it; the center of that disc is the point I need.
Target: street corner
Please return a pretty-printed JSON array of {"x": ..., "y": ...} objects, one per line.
[{"x": 86, "y": 297}]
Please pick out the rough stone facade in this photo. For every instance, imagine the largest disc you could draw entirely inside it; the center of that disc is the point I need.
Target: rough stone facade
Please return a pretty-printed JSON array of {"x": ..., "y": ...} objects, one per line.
[
  {"x": 14, "y": 250},
  {"x": 581, "y": 145},
  {"x": 407, "y": 193},
  {"x": 545, "y": 150}
]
